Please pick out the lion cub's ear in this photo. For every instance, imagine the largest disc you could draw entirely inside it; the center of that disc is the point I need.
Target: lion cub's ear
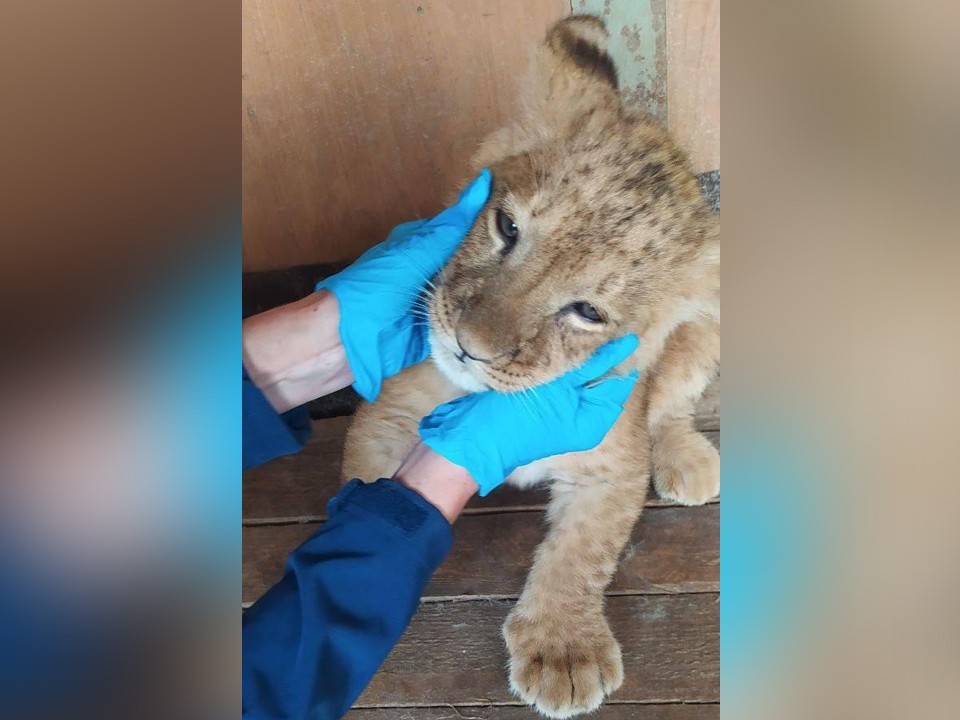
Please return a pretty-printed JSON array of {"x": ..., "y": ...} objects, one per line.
[{"x": 572, "y": 74}]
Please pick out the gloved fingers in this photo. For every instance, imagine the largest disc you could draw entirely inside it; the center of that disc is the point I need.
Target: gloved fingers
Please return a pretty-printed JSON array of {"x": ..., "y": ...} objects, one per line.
[
  {"x": 604, "y": 359},
  {"x": 442, "y": 413},
  {"x": 410, "y": 344},
  {"x": 434, "y": 420},
  {"x": 615, "y": 389},
  {"x": 404, "y": 229},
  {"x": 468, "y": 205},
  {"x": 428, "y": 247}
]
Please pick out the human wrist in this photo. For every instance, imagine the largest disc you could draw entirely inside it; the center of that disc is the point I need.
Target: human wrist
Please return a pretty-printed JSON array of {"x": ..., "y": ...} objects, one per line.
[
  {"x": 444, "y": 484},
  {"x": 294, "y": 354}
]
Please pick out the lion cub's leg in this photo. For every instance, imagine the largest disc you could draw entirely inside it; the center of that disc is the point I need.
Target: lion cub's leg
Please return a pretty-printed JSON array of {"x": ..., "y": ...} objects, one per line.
[
  {"x": 376, "y": 443},
  {"x": 563, "y": 657},
  {"x": 381, "y": 435},
  {"x": 685, "y": 465}
]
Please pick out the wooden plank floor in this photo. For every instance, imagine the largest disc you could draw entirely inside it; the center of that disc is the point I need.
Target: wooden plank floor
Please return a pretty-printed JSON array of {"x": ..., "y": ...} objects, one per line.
[{"x": 663, "y": 603}]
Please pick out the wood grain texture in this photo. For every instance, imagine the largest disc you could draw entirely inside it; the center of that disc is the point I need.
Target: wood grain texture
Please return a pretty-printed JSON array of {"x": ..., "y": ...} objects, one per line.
[
  {"x": 452, "y": 653},
  {"x": 706, "y": 711},
  {"x": 671, "y": 550},
  {"x": 297, "y": 487},
  {"x": 693, "y": 79},
  {"x": 359, "y": 115}
]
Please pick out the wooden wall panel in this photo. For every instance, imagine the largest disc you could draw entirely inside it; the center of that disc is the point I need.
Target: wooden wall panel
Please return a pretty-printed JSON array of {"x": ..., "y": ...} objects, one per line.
[
  {"x": 360, "y": 115},
  {"x": 693, "y": 79},
  {"x": 668, "y": 58}
]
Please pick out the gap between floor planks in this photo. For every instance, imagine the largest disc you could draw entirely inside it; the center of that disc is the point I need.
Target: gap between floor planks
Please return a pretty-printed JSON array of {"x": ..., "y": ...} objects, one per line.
[
  {"x": 611, "y": 710},
  {"x": 670, "y": 646},
  {"x": 704, "y": 589},
  {"x": 653, "y": 503},
  {"x": 295, "y": 488},
  {"x": 517, "y": 704},
  {"x": 295, "y": 485},
  {"x": 672, "y": 550}
]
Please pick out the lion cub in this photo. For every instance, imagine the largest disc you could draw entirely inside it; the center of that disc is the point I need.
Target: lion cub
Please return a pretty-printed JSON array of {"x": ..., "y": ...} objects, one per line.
[{"x": 595, "y": 228}]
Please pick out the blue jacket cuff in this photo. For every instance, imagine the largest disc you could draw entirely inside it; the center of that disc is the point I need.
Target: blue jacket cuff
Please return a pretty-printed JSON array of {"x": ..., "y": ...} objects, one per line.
[
  {"x": 266, "y": 434},
  {"x": 401, "y": 510}
]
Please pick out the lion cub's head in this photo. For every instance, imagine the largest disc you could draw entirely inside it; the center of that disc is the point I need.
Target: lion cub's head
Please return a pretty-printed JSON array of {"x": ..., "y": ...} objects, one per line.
[{"x": 595, "y": 228}]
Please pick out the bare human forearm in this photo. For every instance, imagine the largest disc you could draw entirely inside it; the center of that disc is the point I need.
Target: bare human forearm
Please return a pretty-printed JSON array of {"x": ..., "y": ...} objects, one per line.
[
  {"x": 293, "y": 353},
  {"x": 443, "y": 484}
]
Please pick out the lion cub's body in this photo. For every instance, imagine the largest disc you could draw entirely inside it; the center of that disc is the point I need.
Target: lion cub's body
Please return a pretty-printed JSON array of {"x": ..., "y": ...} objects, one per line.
[{"x": 609, "y": 213}]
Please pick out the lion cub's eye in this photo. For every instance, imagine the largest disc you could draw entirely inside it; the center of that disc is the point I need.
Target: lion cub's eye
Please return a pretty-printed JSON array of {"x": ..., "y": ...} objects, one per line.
[
  {"x": 508, "y": 230},
  {"x": 586, "y": 311}
]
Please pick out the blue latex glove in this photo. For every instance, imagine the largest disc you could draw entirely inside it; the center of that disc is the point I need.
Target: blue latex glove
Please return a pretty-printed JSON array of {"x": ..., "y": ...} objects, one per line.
[
  {"x": 491, "y": 434},
  {"x": 380, "y": 332}
]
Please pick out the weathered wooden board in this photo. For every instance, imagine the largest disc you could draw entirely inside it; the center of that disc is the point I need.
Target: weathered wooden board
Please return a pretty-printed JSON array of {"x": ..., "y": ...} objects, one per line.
[
  {"x": 299, "y": 486},
  {"x": 453, "y": 653},
  {"x": 693, "y": 79},
  {"x": 668, "y": 57},
  {"x": 637, "y": 44},
  {"x": 672, "y": 550},
  {"x": 704, "y": 711},
  {"x": 360, "y": 115}
]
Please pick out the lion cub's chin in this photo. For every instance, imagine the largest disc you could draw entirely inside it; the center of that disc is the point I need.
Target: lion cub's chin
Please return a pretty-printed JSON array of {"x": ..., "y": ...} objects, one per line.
[{"x": 454, "y": 370}]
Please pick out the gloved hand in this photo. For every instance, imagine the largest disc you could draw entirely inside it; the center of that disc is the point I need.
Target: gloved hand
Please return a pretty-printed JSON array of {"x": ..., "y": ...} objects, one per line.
[
  {"x": 380, "y": 331},
  {"x": 491, "y": 434}
]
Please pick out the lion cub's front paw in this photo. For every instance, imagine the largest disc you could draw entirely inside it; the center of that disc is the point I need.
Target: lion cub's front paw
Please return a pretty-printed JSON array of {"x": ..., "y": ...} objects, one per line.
[
  {"x": 562, "y": 668},
  {"x": 686, "y": 469}
]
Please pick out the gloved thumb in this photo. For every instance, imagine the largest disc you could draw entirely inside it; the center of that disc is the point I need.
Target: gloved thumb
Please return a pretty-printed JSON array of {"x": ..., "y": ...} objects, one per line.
[
  {"x": 604, "y": 359},
  {"x": 469, "y": 204},
  {"x": 615, "y": 389}
]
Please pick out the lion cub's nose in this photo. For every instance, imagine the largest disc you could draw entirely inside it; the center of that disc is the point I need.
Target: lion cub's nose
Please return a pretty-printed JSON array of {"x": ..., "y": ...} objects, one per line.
[
  {"x": 470, "y": 349},
  {"x": 462, "y": 357}
]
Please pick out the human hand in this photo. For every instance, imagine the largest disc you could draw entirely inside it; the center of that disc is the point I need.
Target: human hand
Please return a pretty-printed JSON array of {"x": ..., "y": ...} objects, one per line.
[
  {"x": 380, "y": 330},
  {"x": 491, "y": 434}
]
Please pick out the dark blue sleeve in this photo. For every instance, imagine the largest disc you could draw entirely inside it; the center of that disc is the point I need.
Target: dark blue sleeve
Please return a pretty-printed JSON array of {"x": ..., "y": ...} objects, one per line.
[
  {"x": 314, "y": 641},
  {"x": 266, "y": 434}
]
